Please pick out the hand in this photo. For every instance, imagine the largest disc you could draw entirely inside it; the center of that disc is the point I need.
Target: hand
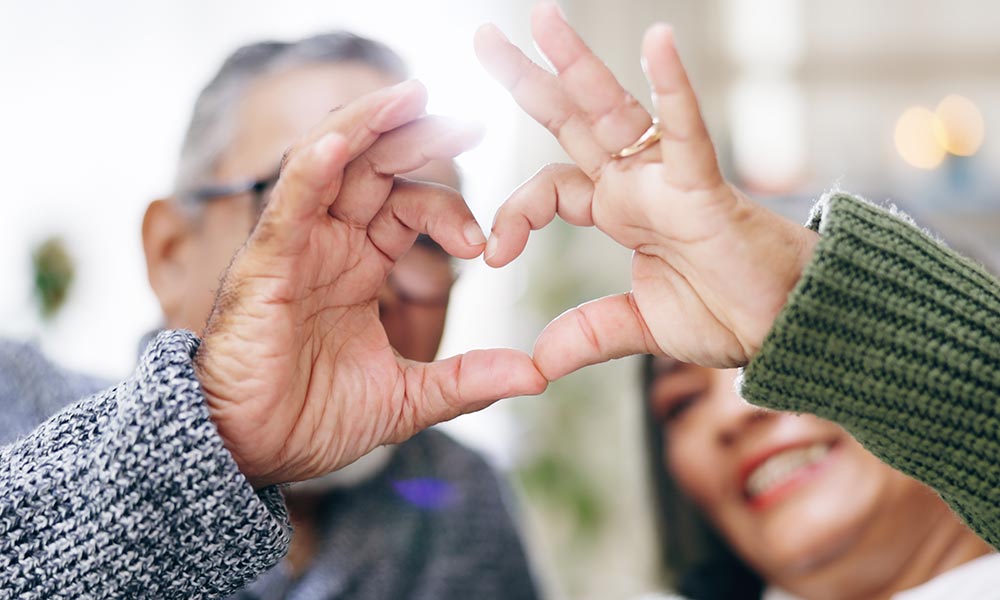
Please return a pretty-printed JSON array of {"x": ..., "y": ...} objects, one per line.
[
  {"x": 711, "y": 269},
  {"x": 297, "y": 371}
]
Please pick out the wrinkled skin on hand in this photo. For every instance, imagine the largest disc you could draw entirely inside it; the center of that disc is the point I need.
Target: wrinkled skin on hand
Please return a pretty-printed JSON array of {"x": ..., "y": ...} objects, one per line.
[{"x": 296, "y": 368}]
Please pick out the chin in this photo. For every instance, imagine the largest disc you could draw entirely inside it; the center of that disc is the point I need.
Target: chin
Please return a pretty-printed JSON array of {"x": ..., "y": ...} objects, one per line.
[
  {"x": 820, "y": 524},
  {"x": 811, "y": 543}
]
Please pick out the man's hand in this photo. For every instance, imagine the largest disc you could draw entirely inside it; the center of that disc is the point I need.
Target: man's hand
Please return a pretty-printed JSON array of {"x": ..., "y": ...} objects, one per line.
[
  {"x": 298, "y": 373},
  {"x": 711, "y": 269}
]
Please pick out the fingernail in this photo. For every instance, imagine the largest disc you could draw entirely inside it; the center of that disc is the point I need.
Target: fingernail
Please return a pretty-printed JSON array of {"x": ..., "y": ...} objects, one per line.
[
  {"x": 559, "y": 11},
  {"x": 474, "y": 235},
  {"x": 491, "y": 246}
]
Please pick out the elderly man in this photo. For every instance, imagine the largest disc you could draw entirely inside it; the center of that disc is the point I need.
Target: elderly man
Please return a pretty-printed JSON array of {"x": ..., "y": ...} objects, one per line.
[{"x": 424, "y": 519}]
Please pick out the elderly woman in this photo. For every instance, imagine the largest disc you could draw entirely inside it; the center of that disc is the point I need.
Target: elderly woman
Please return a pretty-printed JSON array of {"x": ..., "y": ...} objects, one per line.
[{"x": 858, "y": 318}]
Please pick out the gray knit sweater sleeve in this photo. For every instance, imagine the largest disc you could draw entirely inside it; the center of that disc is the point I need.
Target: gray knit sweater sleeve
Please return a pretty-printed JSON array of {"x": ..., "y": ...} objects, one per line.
[{"x": 130, "y": 493}]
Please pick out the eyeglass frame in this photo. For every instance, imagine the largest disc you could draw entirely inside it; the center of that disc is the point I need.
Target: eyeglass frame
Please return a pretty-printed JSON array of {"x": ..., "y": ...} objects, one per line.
[
  {"x": 259, "y": 187},
  {"x": 215, "y": 191}
]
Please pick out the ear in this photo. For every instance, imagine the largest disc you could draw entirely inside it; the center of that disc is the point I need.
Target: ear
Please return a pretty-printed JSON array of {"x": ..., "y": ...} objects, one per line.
[{"x": 167, "y": 242}]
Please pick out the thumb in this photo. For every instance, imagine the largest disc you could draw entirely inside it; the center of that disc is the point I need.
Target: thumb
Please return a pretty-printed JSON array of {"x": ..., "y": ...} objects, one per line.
[
  {"x": 444, "y": 389},
  {"x": 595, "y": 332}
]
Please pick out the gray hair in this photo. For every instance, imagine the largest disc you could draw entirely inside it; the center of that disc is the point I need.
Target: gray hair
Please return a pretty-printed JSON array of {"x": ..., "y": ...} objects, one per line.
[{"x": 212, "y": 125}]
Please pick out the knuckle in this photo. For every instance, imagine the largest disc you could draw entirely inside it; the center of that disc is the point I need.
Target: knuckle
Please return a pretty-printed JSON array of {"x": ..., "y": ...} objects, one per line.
[
  {"x": 588, "y": 330},
  {"x": 555, "y": 123},
  {"x": 551, "y": 171}
]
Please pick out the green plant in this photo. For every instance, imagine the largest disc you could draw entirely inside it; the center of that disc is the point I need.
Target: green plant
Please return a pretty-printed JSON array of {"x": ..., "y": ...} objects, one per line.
[{"x": 54, "y": 272}]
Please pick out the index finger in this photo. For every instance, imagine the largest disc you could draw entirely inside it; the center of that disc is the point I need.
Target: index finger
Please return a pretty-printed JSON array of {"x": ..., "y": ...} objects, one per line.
[
  {"x": 307, "y": 187},
  {"x": 361, "y": 121}
]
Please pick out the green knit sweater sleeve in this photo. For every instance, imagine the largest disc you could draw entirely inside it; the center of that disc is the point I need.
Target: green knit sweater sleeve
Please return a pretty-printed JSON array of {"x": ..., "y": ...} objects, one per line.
[{"x": 896, "y": 338}]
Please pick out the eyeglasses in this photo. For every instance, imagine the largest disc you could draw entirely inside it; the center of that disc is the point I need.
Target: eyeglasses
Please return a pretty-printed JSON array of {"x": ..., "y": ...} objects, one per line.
[
  {"x": 422, "y": 277},
  {"x": 260, "y": 190}
]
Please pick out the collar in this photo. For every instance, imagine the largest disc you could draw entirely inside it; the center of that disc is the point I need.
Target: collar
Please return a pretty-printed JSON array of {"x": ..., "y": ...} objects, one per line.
[{"x": 977, "y": 578}]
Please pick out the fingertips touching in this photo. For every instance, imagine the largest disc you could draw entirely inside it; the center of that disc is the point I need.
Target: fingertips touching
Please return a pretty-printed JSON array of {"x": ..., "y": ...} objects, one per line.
[
  {"x": 500, "y": 373},
  {"x": 555, "y": 189},
  {"x": 508, "y": 238},
  {"x": 530, "y": 206},
  {"x": 436, "y": 210},
  {"x": 444, "y": 389}
]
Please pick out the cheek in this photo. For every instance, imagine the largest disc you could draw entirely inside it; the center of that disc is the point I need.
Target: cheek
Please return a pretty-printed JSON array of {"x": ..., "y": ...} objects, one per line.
[
  {"x": 415, "y": 332},
  {"x": 860, "y": 480},
  {"x": 217, "y": 244},
  {"x": 696, "y": 468}
]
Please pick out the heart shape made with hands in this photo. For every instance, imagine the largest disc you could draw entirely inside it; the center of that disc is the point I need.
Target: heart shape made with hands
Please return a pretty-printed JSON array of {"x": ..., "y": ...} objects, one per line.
[
  {"x": 711, "y": 269},
  {"x": 296, "y": 367},
  {"x": 297, "y": 370}
]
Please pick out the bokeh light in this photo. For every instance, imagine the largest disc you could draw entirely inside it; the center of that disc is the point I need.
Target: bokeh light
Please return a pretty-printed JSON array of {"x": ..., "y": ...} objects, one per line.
[
  {"x": 915, "y": 138},
  {"x": 958, "y": 126}
]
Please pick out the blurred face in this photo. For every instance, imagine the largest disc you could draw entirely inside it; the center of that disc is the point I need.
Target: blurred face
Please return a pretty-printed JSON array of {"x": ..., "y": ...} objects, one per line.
[
  {"x": 185, "y": 266},
  {"x": 796, "y": 496}
]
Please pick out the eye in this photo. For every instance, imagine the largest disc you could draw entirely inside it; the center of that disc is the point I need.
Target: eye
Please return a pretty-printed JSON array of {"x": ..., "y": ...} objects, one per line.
[{"x": 678, "y": 407}]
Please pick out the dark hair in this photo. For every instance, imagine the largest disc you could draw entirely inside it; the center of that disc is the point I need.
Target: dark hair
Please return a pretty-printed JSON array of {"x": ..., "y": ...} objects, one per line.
[{"x": 700, "y": 563}]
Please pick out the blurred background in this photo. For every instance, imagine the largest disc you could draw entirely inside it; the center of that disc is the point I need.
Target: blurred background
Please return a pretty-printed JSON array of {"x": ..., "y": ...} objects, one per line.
[{"x": 898, "y": 100}]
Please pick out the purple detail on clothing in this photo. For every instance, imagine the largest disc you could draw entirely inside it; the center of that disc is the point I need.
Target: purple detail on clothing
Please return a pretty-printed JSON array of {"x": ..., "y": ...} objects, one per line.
[{"x": 427, "y": 493}]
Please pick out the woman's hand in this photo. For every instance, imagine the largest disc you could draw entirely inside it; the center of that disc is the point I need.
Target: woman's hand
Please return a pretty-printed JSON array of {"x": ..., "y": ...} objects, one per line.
[
  {"x": 711, "y": 269},
  {"x": 299, "y": 376}
]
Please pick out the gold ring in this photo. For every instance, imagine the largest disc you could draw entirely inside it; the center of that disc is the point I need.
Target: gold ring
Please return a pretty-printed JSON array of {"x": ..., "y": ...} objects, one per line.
[{"x": 647, "y": 139}]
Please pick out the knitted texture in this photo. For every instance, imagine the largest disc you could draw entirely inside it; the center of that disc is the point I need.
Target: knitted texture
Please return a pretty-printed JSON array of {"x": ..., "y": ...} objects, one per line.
[
  {"x": 32, "y": 389},
  {"x": 431, "y": 526},
  {"x": 897, "y": 338},
  {"x": 130, "y": 493}
]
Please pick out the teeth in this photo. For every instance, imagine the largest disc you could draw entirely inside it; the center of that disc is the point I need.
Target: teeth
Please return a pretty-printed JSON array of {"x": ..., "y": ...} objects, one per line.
[{"x": 780, "y": 467}]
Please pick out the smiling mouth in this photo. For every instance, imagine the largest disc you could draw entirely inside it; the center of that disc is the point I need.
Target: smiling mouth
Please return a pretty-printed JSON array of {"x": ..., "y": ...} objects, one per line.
[{"x": 781, "y": 472}]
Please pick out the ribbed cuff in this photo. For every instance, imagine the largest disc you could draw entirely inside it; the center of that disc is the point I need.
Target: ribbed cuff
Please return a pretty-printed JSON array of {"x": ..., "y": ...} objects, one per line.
[
  {"x": 210, "y": 515},
  {"x": 897, "y": 338}
]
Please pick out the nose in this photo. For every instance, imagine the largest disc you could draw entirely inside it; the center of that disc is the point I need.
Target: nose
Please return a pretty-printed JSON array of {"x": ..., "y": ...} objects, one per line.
[{"x": 735, "y": 418}]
